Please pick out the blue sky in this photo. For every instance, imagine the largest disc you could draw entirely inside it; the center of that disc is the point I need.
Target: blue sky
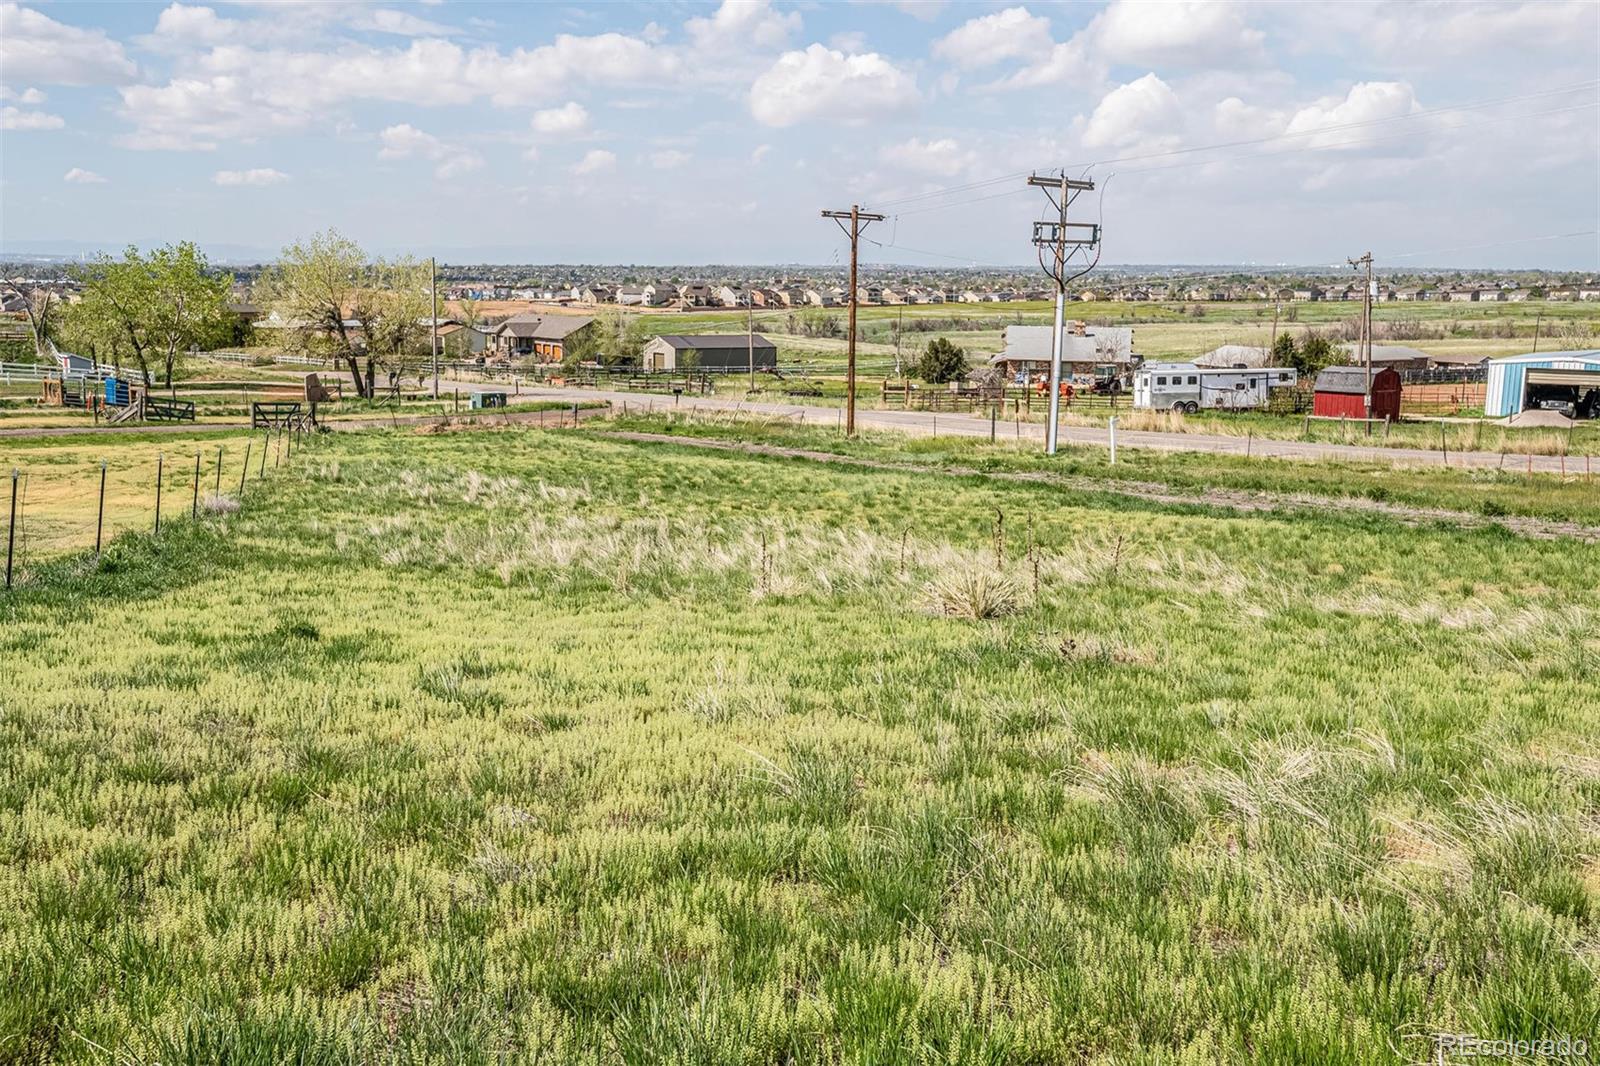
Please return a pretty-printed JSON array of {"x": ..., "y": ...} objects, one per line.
[{"x": 686, "y": 133}]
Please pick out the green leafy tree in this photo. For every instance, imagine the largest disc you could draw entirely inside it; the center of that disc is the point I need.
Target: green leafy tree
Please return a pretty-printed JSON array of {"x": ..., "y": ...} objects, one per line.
[
  {"x": 942, "y": 361},
  {"x": 116, "y": 303},
  {"x": 1284, "y": 350},
  {"x": 1316, "y": 352},
  {"x": 313, "y": 286},
  {"x": 618, "y": 338},
  {"x": 188, "y": 305}
]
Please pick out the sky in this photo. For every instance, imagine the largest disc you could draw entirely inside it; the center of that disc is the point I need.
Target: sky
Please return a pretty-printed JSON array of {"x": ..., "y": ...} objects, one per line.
[{"x": 1452, "y": 134}]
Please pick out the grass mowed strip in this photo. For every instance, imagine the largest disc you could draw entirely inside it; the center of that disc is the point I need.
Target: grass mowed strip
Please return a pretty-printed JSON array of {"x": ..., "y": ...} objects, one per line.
[{"x": 519, "y": 746}]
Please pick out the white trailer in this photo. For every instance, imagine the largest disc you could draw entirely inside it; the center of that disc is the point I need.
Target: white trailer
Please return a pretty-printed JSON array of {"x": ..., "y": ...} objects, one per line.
[{"x": 1187, "y": 387}]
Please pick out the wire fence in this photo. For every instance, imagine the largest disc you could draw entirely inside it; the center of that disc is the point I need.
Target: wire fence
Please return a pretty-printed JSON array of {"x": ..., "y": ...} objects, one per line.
[{"x": 55, "y": 508}]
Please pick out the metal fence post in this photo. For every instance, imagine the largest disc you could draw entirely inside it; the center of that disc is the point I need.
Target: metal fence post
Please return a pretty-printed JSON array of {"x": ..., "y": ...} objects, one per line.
[
  {"x": 1111, "y": 431},
  {"x": 217, "y": 491},
  {"x": 100, "y": 516},
  {"x": 244, "y": 471},
  {"x": 160, "y": 462},
  {"x": 264, "y": 445},
  {"x": 194, "y": 504},
  {"x": 11, "y": 526}
]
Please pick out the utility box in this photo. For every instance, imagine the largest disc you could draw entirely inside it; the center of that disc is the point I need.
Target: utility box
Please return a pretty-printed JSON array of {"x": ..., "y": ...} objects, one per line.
[{"x": 484, "y": 400}]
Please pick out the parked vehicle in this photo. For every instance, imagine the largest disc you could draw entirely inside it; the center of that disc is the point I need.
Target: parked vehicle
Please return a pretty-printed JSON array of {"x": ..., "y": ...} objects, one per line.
[{"x": 1187, "y": 387}]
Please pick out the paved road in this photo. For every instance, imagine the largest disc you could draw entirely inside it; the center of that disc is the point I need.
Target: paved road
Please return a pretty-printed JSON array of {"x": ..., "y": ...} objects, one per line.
[{"x": 942, "y": 424}]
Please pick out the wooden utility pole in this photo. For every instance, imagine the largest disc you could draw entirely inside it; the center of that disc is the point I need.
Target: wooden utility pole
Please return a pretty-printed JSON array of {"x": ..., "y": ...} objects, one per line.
[
  {"x": 1366, "y": 329},
  {"x": 858, "y": 218},
  {"x": 433, "y": 319},
  {"x": 1059, "y": 237},
  {"x": 750, "y": 341}
]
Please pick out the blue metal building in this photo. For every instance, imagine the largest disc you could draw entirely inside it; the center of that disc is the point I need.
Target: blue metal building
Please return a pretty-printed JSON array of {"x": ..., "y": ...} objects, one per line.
[{"x": 1518, "y": 382}]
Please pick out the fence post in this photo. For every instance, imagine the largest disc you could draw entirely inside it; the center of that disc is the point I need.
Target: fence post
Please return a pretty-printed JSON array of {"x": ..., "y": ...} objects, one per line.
[
  {"x": 160, "y": 463},
  {"x": 244, "y": 471},
  {"x": 1111, "y": 431},
  {"x": 11, "y": 526},
  {"x": 994, "y": 416},
  {"x": 217, "y": 491},
  {"x": 264, "y": 445},
  {"x": 194, "y": 504},
  {"x": 100, "y": 514}
]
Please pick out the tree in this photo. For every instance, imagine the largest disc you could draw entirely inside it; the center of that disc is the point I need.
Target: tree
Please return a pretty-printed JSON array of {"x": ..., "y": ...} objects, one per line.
[
  {"x": 42, "y": 307},
  {"x": 393, "y": 307},
  {"x": 116, "y": 299},
  {"x": 942, "y": 361},
  {"x": 1284, "y": 350},
  {"x": 187, "y": 305},
  {"x": 618, "y": 339},
  {"x": 154, "y": 306},
  {"x": 313, "y": 285}
]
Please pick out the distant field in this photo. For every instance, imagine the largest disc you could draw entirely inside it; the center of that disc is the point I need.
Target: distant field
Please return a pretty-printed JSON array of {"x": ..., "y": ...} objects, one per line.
[{"x": 517, "y": 746}]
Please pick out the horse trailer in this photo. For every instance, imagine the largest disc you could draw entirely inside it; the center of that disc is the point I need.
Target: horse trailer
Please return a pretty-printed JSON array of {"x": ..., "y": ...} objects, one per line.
[{"x": 1187, "y": 387}]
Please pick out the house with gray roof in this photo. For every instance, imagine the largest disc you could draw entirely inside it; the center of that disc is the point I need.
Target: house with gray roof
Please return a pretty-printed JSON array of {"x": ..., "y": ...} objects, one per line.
[{"x": 537, "y": 336}]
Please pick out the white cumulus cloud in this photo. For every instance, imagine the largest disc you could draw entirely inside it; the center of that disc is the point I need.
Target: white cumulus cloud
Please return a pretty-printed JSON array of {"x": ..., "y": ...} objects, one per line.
[
  {"x": 405, "y": 141},
  {"x": 571, "y": 117},
  {"x": 1143, "y": 112},
  {"x": 942, "y": 158},
  {"x": 1175, "y": 32},
  {"x": 254, "y": 176},
  {"x": 597, "y": 161},
  {"x": 37, "y": 48},
  {"x": 821, "y": 82},
  {"x": 742, "y": 24},
  {"x": 14, "y": 118},
  {"x": 79, "y": 176},
  {"x": 1368, "y": 101},
  {"x": 1010, "y": 34}
]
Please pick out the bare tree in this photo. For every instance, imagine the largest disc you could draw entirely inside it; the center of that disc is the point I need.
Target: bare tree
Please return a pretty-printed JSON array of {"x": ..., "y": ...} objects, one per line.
[{"x": 40, "y": 305}]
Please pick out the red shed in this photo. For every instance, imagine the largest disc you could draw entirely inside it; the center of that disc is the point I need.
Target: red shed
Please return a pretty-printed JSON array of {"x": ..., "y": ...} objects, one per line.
[{"x": 1340, "y": 392}]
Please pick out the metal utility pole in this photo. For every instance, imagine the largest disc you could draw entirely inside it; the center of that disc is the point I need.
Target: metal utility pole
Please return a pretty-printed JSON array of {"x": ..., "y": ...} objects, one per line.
[
  {"x": 433, "y": 319},
  {"x": 1366, "y": 329},
  {"x": 858, "y": 219},
  {"x": 1065, "y": 241}
]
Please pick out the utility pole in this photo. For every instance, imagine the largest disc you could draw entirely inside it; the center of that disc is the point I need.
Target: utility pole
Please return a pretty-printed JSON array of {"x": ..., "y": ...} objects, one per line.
[
  {"x": 750, "y": 341},
  {"x": 900, "y": 329},
  {"x": 858, "y": 218},
  {"x": 1366, "y": 329},
  {"x": 433, "y": 319},
  {"x": 1065, "y": 241}
]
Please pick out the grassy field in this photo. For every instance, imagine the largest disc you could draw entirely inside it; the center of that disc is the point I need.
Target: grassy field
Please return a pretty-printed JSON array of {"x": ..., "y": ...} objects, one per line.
[{"x": 548, "y": 747}]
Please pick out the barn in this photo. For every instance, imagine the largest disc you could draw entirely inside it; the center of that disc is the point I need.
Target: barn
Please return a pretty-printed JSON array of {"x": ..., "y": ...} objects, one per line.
[
  {"x": 716, "y": 352},
  {"x": 1341, "y": 393},
  {"x": 1564, "y": 381}
]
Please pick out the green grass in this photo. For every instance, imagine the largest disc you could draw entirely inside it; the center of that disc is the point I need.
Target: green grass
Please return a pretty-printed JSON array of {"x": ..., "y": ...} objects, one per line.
[
  {"x": 1575, "y": 498},
  {"x": 547, "y": 747}
]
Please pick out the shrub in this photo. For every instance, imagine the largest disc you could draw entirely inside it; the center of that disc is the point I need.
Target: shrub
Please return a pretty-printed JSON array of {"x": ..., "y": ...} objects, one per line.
[
  {"x": 942, "y": 361},
  {"x": 973, "y": 593}
]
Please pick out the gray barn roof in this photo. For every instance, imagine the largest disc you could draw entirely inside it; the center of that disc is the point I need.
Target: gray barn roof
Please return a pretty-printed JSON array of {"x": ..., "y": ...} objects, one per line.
[
  {"x": 702, "y": 342},
  {"x": 1346, "y": 380},
  {"x": 1103, "y": 344}
]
